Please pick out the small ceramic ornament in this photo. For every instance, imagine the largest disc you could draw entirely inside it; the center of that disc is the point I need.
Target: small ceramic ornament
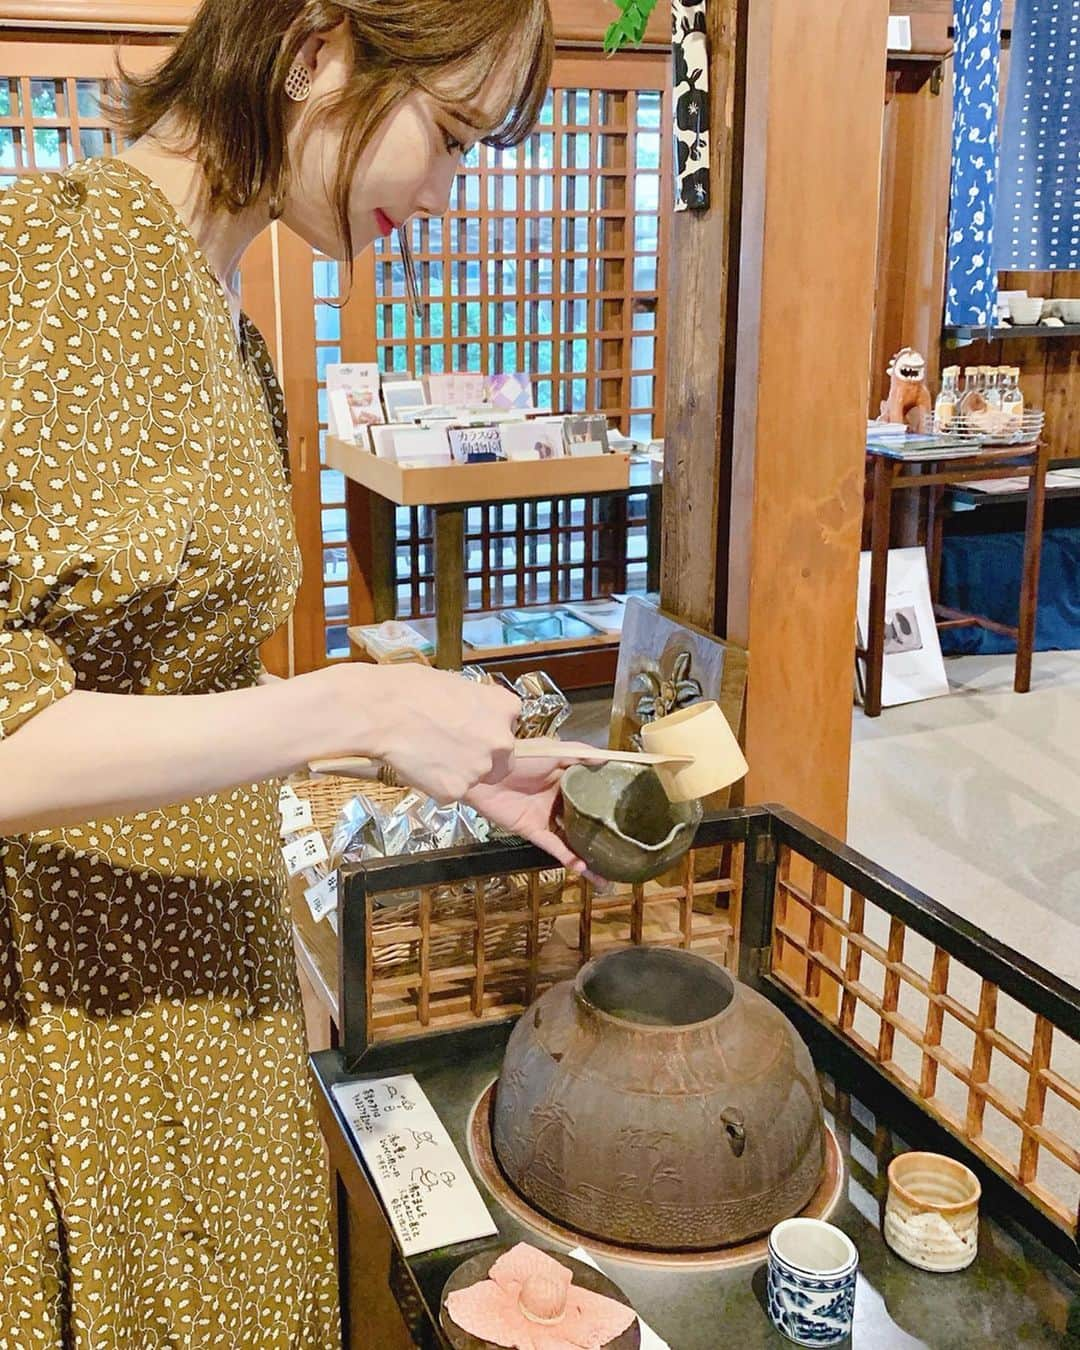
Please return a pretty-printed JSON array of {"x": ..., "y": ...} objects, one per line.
[
  {"x": 909, "y": 398},
  {"x": 530, "y": 1302}
]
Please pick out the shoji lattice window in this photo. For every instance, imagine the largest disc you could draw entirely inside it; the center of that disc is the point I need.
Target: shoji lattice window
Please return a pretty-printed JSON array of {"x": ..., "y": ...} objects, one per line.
[
  {"x": 549, "y": 262},
  {"x": 48, "y": 124},
  {"x": 329, "y": 286}
]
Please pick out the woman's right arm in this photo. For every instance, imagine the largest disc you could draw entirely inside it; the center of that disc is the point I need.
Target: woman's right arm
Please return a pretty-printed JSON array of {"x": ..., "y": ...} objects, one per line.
[{"x": 92, "y": 756}]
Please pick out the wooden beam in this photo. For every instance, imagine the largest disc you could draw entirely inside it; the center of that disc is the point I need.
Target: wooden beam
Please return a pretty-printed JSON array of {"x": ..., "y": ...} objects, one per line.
[
  {"x": 815, "y": 73},
  {"x": 697, "y": 351},
  {"x": 153, "y": 16},
  {"x": 359, "y": 343},
  {"x": 576, "y": 21}
]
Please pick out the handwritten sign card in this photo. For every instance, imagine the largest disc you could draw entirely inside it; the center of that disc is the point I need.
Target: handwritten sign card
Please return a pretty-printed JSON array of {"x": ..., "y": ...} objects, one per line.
[{"x": 426, "y": 1188}]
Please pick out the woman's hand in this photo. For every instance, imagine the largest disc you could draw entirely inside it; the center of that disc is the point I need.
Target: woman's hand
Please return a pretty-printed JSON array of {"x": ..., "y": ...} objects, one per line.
[
  {"x": 453, "y": 740},
  {"x": 441, "y": 733},
  {"x": 524, "y": 801}
]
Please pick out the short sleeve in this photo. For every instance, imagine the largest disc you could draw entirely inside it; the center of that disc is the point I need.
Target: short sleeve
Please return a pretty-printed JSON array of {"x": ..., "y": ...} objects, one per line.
[{"x": 34, "y": 673}]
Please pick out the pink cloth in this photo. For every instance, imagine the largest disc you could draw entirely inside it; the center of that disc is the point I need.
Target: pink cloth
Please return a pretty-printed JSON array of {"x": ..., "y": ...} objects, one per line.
[{"x": 491, "y": 1310}]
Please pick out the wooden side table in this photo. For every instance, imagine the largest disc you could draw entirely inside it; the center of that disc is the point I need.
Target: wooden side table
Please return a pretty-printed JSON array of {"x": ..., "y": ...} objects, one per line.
[
  {"x": 890, "y": 472},
  {"x": 450, "y": 490}
]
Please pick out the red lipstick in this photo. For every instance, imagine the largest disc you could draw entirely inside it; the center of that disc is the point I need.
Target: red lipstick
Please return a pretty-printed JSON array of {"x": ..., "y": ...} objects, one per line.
[{"x": 385, "y": 224}]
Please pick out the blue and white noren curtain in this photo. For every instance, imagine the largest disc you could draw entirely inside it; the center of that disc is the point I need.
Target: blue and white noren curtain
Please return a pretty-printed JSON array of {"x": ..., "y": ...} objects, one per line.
[
  {"x": 971, "y": 283},
  {"x": 1038, "y": 213}
]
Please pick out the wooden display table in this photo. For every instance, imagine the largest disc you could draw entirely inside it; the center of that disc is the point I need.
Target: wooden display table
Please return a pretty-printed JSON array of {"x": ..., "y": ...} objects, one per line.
[
  {"x": 889, "y": 473},
  {"x": 450, "y": 490}
]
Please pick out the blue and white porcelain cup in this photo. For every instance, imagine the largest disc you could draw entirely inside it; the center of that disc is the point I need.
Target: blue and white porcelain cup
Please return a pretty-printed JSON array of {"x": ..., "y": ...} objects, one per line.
[{"x": 811, "y": 1286}]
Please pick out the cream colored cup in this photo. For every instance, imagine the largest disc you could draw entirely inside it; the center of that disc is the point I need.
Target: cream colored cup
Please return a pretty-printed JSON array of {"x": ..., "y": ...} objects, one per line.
[
  {"x": 701, "y": 730},
  {"x": 932, "y": 1211}
]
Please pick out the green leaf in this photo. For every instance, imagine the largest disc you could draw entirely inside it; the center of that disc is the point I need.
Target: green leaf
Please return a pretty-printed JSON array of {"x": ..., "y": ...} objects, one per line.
[{"x": 630, "y": 28}]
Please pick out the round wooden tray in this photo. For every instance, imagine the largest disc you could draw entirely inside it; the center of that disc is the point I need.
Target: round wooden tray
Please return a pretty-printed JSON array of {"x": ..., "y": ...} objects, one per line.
[{"x": 476, "y": 1269}]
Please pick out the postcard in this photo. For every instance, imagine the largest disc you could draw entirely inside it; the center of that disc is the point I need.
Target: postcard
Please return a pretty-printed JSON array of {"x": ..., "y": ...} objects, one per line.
[
  {"x": 360, "y": 385},
  {"x": 476, "y": 445},
  {"x": 401, "y": 395},
  {"x": 532, "y": 440},
  {"x": 586, "y": 435},
  {"x": 457, "y": 389},
  {"x": 508, "y": 391}
]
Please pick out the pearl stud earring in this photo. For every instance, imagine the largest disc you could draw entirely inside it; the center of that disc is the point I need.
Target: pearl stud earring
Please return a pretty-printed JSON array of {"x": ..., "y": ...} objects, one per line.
[{"x": 298, "y": 83}]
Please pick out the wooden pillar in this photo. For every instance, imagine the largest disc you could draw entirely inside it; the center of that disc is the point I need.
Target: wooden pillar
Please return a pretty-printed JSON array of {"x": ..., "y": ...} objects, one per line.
[
  {"x": 370, "y": 522},
  {"x": 696, "y": 467},
  {"x": 815, "y": 75}
]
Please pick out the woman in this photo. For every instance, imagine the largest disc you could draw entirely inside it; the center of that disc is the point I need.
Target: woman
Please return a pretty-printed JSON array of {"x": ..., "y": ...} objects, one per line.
[{"x": 161, "y": 1176}]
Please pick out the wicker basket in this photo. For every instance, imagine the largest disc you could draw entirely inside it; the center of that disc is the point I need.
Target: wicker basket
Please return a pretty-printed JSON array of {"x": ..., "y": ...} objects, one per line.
[{"x": 503, "y": 894}]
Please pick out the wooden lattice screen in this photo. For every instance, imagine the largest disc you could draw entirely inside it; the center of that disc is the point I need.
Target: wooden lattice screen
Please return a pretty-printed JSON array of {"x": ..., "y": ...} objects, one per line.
[
  {"x": 441, "y": 956},
  {"x": 47, "y": 122},
  {"x": 550, "y": 262},
  {"x": 1002, "y": 1078}
]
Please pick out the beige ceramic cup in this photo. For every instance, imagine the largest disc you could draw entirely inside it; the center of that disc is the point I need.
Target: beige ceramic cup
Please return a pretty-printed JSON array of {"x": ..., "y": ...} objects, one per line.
[
  {"x": 932, "y": 1212},
  {"x": 701, "y": 730}
]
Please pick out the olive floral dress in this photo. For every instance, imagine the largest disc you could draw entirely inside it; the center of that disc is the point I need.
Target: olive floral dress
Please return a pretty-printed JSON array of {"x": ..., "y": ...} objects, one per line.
[{"x": 161, "y": 1170}]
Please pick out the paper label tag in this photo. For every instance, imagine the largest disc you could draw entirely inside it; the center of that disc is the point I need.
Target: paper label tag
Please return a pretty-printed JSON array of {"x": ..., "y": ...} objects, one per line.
[
  {"x": 307, "y": 851},
  {"x": 286, "y": 793},
  {"x": 426, "y": 1188},
  {"x": 296, "y": 815},
  {"x": 322, "y": 898}
]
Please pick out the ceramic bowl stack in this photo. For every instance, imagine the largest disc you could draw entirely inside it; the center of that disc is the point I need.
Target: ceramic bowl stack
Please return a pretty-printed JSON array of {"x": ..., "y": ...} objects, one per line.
[
  {"x": 1025, "y": 310},
  {"x": 1068, "y": 310}
]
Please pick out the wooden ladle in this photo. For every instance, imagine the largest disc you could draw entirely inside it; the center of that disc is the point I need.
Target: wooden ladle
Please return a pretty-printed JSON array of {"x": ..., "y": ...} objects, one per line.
[{"x": 540, "y": 747}]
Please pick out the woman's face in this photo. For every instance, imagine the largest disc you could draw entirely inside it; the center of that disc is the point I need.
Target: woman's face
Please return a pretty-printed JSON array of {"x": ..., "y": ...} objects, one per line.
[{"x": 406, "y": 170}]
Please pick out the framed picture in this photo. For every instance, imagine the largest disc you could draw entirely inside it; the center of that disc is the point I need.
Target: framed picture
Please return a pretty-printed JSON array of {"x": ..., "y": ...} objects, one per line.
[
  {"x": 402, "y": 394},
  {"x": 913, "y": 668}
]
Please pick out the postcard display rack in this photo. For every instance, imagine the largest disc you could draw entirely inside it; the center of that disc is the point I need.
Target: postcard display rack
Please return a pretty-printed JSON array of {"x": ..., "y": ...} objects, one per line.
[{"x": 925, "y": 1032}]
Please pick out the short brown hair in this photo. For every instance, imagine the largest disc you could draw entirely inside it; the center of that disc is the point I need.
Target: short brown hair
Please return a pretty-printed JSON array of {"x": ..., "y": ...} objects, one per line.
[{"x": 225, "y": 80}]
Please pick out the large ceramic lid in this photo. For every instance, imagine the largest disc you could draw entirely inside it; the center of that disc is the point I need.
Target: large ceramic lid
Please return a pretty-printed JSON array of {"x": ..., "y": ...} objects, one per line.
[{"x": 656, "y": 1101}]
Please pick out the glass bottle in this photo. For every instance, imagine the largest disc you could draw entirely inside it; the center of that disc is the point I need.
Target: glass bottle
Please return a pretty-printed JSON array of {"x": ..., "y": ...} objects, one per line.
[
  {"x": 1012, "y": 398},
  {"x": 974, "y": 399},
  {"x": 995, "y": 379},
  {"x": 945, "y": 406}
]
